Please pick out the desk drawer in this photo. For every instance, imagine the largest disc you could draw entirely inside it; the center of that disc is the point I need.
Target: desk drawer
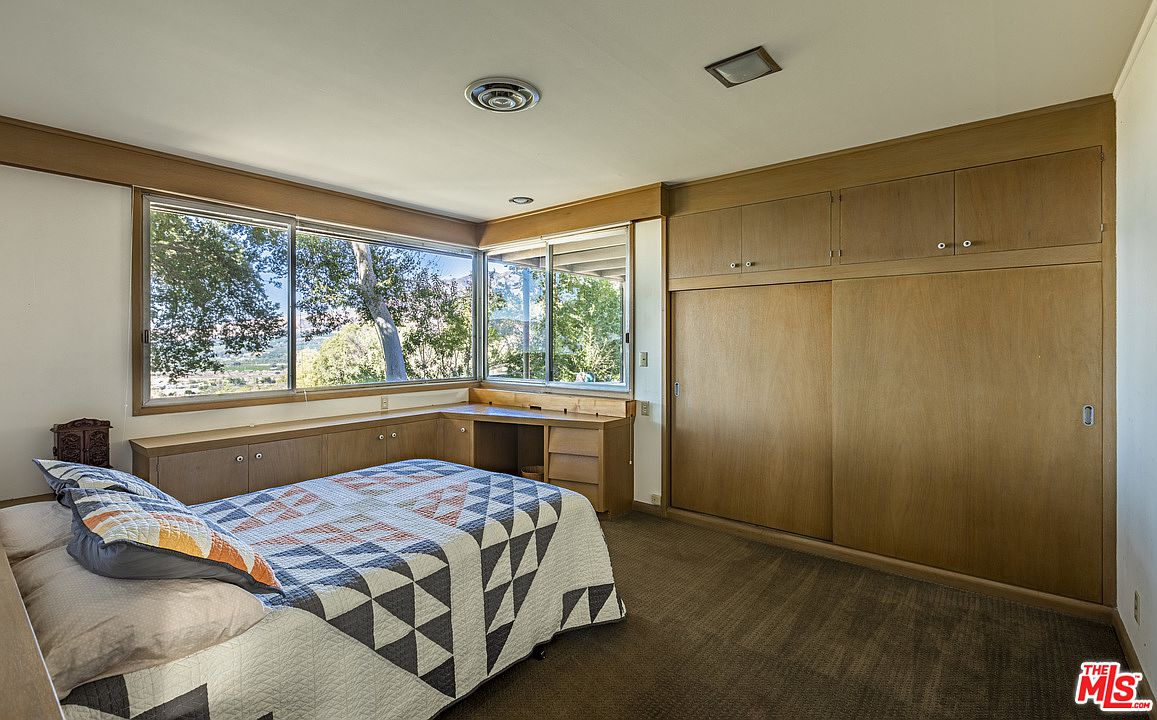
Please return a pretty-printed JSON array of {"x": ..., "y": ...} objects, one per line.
[
  {"x": 591, "y": 492},
  {"x": 574, "y": 468},
  {"x": 574, "y": 441}
]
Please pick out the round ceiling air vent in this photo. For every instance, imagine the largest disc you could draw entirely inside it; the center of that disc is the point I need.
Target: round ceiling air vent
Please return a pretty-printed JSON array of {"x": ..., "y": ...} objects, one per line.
[{"x": 502, "y": 94}]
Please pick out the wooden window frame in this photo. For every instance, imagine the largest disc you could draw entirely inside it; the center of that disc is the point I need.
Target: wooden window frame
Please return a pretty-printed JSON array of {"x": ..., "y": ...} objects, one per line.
[{"x": 143, "y": 404}]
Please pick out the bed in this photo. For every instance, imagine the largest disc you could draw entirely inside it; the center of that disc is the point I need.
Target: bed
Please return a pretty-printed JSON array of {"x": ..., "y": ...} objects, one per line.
[{"x": 406, "y": 586}]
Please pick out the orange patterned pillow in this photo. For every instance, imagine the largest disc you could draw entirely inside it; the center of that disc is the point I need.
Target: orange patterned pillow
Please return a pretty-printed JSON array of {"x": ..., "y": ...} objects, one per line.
[{"x": 119, "y": 535}]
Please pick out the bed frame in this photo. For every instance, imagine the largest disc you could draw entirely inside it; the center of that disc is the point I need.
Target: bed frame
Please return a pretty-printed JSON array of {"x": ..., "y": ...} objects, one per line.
[{"x": 25, "y": 683}]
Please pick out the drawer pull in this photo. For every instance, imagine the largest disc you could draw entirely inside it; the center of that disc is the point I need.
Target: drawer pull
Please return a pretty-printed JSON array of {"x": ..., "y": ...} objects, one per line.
[
  {"x": 393, "y": 434},
  {"x": 381, "y": 437},
  {"x": 461, "y": 429},
  {"x": 240, "y": 458},
  {"x": 257, "y": 456}
]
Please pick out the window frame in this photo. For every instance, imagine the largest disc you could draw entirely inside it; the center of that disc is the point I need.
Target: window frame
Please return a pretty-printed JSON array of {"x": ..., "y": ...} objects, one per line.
[
  {"x": 144, "y": 404},
  {"x": 624, "y": 388}
]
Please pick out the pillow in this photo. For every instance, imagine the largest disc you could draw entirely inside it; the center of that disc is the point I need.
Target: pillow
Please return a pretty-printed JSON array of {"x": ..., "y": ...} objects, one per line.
[
  {"x": 65, "y": 476},
  {"x": 91, "y": 627},
  {"x": 27, "y": 529},
  {"x": 129, "y": 536}
]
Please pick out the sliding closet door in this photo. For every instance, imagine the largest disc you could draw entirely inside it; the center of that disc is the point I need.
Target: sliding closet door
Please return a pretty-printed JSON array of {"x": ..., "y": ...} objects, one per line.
[
  {"x": 959, "y": 438},
  {"x": 751, "y": 436}
]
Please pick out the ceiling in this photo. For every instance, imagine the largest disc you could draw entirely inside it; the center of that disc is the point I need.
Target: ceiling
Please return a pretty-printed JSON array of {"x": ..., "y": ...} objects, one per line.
[{"x": 366, "y": 96}]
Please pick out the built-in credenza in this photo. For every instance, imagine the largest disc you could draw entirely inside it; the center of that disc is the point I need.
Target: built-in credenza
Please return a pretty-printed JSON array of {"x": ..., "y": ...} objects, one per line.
[{"x": 585, "y": 452}]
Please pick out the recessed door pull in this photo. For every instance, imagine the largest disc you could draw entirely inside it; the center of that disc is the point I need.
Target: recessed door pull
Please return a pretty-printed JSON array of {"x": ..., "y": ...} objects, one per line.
[{"x": 1089, "y": 416}]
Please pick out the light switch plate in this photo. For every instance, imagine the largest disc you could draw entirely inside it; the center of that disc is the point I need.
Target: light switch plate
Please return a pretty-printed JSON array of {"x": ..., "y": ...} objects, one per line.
[
  {"x": 644, "y": 408},
  {"x": 642, "y": 359},
  {"x": 385, "y": 402}
]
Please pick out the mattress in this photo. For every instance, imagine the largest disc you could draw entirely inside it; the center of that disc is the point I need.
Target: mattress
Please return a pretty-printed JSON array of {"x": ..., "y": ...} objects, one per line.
[{"x": 406, "y": 586}]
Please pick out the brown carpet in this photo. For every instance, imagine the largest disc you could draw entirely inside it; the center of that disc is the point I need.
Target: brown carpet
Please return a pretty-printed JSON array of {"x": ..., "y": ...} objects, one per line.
[{"x": 722, "y": 627}]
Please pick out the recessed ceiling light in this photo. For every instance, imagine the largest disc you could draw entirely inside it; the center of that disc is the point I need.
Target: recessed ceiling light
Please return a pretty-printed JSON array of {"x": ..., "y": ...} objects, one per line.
[
  {"x": 521, "y": 200},
  {"x": 502, "y": 94},
  {"x": 744, "y": 67}
]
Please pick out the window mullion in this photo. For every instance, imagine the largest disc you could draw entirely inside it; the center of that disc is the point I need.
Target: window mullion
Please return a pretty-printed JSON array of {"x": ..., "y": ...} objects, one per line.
[
  {"x": 548, "y": 361},
  {"x": 291, "y": 308}
]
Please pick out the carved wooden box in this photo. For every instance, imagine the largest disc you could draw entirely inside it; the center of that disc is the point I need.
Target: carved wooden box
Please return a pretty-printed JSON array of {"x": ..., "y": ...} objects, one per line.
[{"x": 83, "y": 441}]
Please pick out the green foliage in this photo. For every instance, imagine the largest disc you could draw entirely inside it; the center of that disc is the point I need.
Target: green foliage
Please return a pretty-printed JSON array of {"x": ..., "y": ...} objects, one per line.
[
  {"x": 351, "y": 356},
  {"x": 588, "y": 329},
  {"x": 207, "y": 289},
  {"x": 516, "y": 334}
]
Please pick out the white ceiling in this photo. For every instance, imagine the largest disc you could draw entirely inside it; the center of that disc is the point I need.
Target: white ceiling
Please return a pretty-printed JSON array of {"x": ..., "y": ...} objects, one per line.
[{"x": 367, "y": 96}]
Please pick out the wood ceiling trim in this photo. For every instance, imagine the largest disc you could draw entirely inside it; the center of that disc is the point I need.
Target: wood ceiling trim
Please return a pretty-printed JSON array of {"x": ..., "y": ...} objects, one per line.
[
  {"x": 639, "y": 203},
  {"x": 39, "y": 147}
]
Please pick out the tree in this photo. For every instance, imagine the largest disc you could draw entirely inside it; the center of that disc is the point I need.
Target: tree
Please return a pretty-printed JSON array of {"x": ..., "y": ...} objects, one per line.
[
  {"x": 207, "y": 286},
  {"x": 209, "y": 292}
]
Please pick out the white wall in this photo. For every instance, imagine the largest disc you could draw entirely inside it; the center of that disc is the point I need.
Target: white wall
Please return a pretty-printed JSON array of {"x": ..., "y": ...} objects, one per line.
[
  {"x": 649, "y": 324},
  {"x": 1137, "y": 343},
  {"x": 65, "y": 253}
]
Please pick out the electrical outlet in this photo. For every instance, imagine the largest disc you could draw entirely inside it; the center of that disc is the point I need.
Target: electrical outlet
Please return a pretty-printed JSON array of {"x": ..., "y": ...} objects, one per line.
[
  {"x": 642, "y": 359},
  {"x": 656, "y": 498},
  {"x": 645, "y": 408},
  {"x": 385, "y": 403},
  {"x": 1137, "y": 606}
]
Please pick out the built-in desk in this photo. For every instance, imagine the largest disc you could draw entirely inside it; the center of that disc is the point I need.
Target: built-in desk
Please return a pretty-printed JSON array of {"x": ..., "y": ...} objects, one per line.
[{"x": 587, "y": 453}]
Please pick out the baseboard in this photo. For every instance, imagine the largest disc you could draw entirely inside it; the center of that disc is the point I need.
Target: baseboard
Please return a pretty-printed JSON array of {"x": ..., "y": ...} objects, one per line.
[
  {"x": 1035, "y": 598},
  {"x": 656, "y": 510},
  {"x": 1131, "y": 656},
  {"x": 23, "y": 500}
]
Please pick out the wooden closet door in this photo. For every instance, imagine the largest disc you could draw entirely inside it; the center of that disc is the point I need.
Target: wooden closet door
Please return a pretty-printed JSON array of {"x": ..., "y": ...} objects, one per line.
[
  {"x": 791, "y": 233},
  {"x": 706, "y": 243},
  {"x": 751, "y": 437},
  {"x": 1036, "y": 202},
  {"x": 897, "y": 220},
  {"x": 958, "y": 431}
]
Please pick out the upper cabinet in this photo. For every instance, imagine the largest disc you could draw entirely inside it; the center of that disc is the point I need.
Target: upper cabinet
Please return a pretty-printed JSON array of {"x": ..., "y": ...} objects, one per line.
[
  {"x": 784, "y": 234},
  {"x": 1037, "y": 202},
  {"x": 897, "y": 220},
  {"x": 777, "y": 235},
  {"x": 707, "y": 243}
]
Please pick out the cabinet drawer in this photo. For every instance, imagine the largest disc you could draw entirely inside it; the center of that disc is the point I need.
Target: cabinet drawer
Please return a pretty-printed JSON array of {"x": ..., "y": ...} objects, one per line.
[
  {"x": 591, "y": 492},
  {"x": 575, "y": 468},
  {"x": 574, "y": 441}
]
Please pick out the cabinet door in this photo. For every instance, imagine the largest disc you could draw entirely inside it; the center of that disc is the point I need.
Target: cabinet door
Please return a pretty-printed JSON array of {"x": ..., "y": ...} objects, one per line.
[
  {"x": 199, "y": 477},
  {"x": 959, "y": 440},
  {"x": 282, "y": 462},
  {"x": 751, "y": 437},
  {"x": 897, "y": 220},
  {"x": 458, "y": 441},
  {"x": 1038, "y": 202},
  {"x": 706, "y": 243},
  {"x": 354, "y": 450},
  {"x": 406, "y": 441},
  {"x": 791, "y": 233}
]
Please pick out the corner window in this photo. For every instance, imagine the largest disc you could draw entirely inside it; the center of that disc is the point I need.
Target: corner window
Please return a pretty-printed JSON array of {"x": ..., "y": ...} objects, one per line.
[
  {"x": 557, "y": 310},
  {"x": 241, "y": 303}
]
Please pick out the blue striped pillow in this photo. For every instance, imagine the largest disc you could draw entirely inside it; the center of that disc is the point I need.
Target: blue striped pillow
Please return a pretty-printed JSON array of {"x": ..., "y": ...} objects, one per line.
[{"x": 64, "y": 476}]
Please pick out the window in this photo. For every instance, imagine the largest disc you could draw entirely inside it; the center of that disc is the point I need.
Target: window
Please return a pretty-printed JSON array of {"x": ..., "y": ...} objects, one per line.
[
  {"x": 218, "y": 303},
  {"x": 240, "y": 303},
  {"x": 374, "y": 312},
  {"x": 557, "y": 310}
]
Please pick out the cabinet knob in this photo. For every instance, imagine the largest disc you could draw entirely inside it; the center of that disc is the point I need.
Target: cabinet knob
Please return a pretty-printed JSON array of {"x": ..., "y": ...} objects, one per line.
[
  {"x": 734, "y": 265},
  {"x": 941, "y": 246},
  {"x": 257, "y": 456},
  {"x": 240, "y": 458},
  {"x": 748, "y": 264},
  {"x": 381, "y": 437},
  {"x": 393, "y": 434},
  {"x": 967, "y": 243},
  {"x": 461, "y": 429}
]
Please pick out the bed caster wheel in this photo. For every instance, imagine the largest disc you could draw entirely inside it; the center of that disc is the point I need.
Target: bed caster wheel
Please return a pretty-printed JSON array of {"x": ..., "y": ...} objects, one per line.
[{"x": 539, "y": 652}]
